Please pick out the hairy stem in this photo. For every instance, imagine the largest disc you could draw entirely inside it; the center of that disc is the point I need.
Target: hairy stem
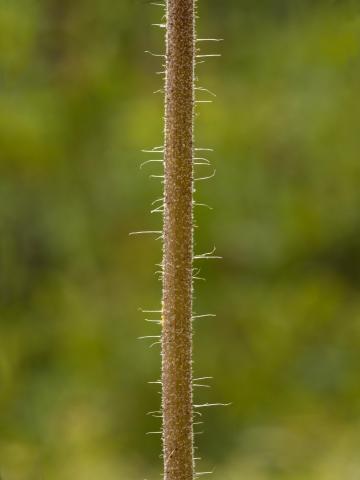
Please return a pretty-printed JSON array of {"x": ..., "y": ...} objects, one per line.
[{"x": 177, "y": 402}]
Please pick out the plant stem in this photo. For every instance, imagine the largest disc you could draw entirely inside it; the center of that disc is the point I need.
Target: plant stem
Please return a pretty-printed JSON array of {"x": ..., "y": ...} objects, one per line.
[{"x": 177, "y": 401}]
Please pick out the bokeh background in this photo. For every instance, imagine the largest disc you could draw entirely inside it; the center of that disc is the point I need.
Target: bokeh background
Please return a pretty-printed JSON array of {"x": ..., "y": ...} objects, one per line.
[{"x": 76, "y": 109}]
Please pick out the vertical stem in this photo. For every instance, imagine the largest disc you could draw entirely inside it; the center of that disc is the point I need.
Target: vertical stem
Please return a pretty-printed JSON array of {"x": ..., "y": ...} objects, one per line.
[{"x": 177, "y": 402}]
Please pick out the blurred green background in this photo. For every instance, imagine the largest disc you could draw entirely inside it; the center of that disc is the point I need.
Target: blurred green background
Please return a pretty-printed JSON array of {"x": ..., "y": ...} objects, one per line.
[{"x": 76, "y": 109}]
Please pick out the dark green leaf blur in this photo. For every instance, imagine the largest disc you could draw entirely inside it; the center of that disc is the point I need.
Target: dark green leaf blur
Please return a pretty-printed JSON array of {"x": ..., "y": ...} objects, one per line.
[{"x": 76, "y": 109}]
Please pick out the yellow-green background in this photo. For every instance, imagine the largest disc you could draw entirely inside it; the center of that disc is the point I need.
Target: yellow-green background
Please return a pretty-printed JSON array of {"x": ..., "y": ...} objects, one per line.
[{"x": 76, "y": 108}]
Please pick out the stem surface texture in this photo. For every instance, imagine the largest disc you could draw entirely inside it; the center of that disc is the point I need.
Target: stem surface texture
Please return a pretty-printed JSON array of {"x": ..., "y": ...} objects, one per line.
[{"x": 177, "y": 397}]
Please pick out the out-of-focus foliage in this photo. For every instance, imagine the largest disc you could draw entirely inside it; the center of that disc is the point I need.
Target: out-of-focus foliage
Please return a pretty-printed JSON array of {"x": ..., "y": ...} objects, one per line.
[{"x": 76, "y": 109}]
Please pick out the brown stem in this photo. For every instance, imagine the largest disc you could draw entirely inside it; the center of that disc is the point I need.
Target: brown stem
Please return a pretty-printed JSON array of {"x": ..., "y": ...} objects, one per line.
[{"x": 177, "y": 402}]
